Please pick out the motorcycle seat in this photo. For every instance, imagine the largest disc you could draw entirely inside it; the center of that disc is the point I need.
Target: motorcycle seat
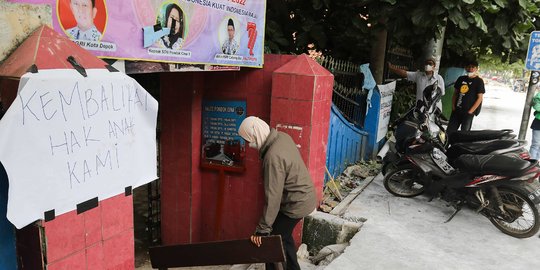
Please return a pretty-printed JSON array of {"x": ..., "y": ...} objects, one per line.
[
  {"x": 480, "y": 135},
  {"x": 479, "y": 148},
  {"x": 493, "y": 164}
]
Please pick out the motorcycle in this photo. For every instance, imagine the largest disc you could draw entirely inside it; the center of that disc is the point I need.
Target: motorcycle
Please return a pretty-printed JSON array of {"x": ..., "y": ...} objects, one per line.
[
  {"x": 460, "y": 142},
  {"x": 502, "y": 188}
]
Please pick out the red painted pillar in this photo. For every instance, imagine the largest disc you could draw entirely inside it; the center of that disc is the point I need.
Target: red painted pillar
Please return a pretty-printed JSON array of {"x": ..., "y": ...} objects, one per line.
[
  {"x": 180, "y": 127},
  {"x": 301, "y": 101}
]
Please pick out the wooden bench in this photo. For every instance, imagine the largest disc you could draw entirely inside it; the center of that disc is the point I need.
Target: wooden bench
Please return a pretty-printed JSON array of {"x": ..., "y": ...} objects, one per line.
[{"x": 218, "y": 253}]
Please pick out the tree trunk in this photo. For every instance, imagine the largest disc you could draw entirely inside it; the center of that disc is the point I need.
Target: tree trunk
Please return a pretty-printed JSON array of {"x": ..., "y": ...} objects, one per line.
[
  {"x": 378, "y": 51},
  {"x": 433, "y": 50}
]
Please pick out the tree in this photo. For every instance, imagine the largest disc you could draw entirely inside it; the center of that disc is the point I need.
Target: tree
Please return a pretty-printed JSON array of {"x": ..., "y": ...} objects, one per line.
[{"x": 344, "y": 28}]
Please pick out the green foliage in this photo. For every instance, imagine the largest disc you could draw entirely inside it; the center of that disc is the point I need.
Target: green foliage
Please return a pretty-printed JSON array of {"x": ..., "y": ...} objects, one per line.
[
  {"x": 344, "y": 29},
  {"x": 334, "y": 27},
  {"x": 492, "y": 64},
  {"x": 403, "y": 99}
]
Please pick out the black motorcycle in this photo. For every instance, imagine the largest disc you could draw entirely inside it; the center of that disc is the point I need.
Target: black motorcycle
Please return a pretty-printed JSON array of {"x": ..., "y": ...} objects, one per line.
[
  {"x": 502, "y": 188},
  {"x": 426, "y": 114}
]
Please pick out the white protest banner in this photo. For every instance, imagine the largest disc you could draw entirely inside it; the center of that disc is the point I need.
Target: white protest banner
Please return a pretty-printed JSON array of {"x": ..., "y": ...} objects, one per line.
[
  {"x": 387, "y": 92},
  {"x": 67, "y": 139}
]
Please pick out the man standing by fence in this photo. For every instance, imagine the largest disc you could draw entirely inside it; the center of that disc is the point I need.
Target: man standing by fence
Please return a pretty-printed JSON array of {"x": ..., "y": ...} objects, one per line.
[{"x": 421, "y": 78}]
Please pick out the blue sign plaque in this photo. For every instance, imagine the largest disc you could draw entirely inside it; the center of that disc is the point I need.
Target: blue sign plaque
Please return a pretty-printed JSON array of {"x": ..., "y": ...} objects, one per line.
[
  {"x": 532, "y": 62},
  {"x": 221, "y": 143}
]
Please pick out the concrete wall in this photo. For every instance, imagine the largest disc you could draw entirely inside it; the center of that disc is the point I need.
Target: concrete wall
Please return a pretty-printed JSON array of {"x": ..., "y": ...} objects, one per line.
[{"x": 17, "y": 21}]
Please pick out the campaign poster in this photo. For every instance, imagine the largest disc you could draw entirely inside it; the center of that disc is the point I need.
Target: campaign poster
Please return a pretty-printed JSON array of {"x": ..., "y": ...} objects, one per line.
[{"x": 220, "y": 32}]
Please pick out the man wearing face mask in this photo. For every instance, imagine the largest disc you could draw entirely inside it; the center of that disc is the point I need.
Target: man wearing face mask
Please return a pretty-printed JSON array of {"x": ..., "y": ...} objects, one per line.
[
  {"x": 467, "y": 99},
  {"x": 421, "y": 78},
  {"x": 288, "y": 188}
]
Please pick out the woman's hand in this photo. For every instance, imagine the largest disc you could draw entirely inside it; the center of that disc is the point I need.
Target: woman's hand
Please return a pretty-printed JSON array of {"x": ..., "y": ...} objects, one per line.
[{"x": 256, "y": 240}]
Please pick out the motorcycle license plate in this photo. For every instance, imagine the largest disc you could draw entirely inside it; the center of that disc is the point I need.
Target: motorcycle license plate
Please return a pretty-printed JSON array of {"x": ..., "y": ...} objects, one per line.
[
  {"x": 535, "y": 196},
  {"x": 440, "y": 159}
]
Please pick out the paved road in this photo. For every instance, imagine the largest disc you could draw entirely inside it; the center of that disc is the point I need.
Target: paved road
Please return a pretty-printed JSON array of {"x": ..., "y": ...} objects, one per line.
[
  {"x": 405, "y": 233},
  {"x": 502, "y": 108}
]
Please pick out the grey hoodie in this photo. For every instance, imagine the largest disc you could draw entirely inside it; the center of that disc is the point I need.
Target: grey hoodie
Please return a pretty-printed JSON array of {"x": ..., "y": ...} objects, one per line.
[{"x": 287, "y": 184}]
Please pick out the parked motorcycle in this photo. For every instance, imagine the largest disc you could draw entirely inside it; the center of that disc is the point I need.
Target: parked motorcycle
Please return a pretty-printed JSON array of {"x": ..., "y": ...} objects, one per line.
[
  {"x": 461, "y": 142},
  {"x": 502, "y": 188},
  {"x": 461, "y": 136}
]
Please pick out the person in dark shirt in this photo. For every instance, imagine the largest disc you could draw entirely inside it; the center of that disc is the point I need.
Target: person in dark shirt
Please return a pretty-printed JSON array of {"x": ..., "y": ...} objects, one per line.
[{"x": 467, "y": 99}]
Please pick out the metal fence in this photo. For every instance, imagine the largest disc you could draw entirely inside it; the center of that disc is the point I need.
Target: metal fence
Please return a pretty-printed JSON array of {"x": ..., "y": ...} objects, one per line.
[
  {"x": 348, "y": 95},
  {"x": 346, "y": 138}
]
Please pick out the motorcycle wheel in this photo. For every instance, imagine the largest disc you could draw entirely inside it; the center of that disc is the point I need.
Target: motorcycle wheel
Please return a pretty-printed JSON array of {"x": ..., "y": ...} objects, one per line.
[
  {"x": 403, "y": 181},
  {"x": 521, "y": 219}
]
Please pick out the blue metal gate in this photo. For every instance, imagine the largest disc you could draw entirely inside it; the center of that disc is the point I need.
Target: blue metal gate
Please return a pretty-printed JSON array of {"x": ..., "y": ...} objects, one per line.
[
  {"x": 348, "y": 137},
  {"x": 346, "y": 143}
]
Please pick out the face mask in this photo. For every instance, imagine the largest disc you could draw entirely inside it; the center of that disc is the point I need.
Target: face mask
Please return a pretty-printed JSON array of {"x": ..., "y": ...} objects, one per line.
[
  {"x": 428, "y": 68},
  {"x": 471, "y": 74},
  {"x": 253, "y": 145}
]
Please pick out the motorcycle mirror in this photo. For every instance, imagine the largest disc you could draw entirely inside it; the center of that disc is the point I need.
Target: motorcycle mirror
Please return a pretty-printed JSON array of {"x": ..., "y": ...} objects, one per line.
[
  {"x": 432, "y": 95},
  {"x": 428, "y": 93},
  {"x": 419, "y": 104}
]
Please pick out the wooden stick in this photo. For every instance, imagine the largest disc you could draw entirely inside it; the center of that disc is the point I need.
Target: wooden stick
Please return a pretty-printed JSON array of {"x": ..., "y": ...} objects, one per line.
[{"x": 334, "y": 190}]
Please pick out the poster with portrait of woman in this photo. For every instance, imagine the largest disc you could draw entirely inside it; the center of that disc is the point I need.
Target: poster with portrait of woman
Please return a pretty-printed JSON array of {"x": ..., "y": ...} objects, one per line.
[{"x": 171, "y": 16}]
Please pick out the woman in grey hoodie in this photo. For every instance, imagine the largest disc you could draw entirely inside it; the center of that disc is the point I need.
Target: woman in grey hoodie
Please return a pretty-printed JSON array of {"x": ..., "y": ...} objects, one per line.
[{"x": 288, "y": 188}]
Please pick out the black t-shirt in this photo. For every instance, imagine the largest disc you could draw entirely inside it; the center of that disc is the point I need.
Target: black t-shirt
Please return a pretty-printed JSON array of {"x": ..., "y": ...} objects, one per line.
[{"x": 467, "y": 90}]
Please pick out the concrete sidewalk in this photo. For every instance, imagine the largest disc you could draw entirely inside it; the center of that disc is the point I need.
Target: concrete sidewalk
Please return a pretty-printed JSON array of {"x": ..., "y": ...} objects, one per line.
[{"x": 403, "y": 233}]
